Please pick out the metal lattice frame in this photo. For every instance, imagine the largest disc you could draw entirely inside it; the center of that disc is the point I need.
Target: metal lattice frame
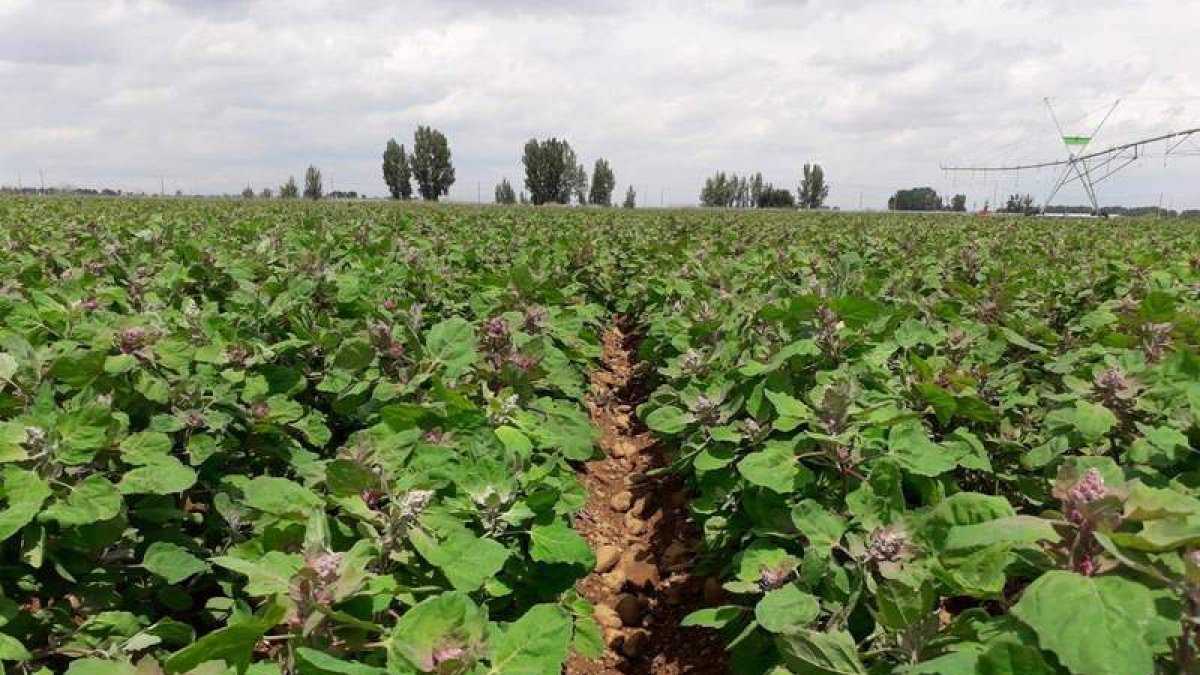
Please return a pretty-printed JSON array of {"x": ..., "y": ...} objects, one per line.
[{"x": 1089, "y": 169}]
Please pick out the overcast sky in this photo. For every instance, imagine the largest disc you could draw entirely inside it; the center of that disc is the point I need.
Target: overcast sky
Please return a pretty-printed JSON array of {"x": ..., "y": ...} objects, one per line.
[{"x": 218, "y": 94}]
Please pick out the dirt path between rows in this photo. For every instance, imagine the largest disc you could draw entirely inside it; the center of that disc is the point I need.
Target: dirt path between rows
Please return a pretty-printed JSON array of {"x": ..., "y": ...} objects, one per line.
[{"x": 645, "y": 545}]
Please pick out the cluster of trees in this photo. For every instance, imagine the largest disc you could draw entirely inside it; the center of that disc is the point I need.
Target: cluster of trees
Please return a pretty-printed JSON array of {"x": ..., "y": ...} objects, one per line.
[
  {"x": 729, "y": 190},
  {"x": 813, "y": 189},
  {"x": 925, "y": 199},
  {"x": 603, "y": 183},
  {"x": 1018, "y": 203},
  {"x": 505, "y": 193},
  {"x": 313, "y": 188},
  {"x": 554, "y": 175},
  {"x": 429, "y": 164},
  {"x": 774, "y": 198}
]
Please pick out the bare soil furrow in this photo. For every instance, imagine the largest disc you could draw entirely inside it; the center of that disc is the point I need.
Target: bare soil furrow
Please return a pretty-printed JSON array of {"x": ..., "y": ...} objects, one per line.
[{"x": 645, "y": 544}]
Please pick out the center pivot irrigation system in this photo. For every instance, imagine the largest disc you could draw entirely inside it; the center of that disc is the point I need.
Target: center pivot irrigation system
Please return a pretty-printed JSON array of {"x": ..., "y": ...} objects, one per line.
[{"x": 1090, "y": 169}]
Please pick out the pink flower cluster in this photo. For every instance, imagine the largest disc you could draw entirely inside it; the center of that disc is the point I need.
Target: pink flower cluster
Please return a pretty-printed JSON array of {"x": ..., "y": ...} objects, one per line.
[
  {"x": 887, "y": 545},
  {"x": 326, "y": 566},
  {"x": 447, "y": 653},
  {"x": 1088, "y": 489}
]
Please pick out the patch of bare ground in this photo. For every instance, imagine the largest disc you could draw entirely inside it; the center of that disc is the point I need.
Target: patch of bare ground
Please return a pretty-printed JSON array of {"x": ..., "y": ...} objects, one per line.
[{"x": 645, "y": 544}]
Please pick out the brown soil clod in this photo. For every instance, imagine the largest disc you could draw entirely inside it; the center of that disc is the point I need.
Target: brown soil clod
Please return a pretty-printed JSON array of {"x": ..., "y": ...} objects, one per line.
[{"x": 645, "y": 544}]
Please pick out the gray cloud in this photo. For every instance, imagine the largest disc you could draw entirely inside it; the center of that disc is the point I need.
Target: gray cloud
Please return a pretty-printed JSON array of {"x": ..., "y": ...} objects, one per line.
[{"x": 217, "y": 95}]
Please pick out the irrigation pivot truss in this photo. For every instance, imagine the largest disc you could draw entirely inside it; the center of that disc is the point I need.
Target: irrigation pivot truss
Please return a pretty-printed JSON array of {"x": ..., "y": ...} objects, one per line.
[{"x": 1090, "y": 169}]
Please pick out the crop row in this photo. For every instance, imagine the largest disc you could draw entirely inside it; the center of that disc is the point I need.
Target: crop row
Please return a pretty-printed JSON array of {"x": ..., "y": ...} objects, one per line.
[{"x": 343, "y": 438}]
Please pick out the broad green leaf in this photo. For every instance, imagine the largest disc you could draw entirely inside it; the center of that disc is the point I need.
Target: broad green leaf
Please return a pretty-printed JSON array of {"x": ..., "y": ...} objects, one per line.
[
  {"x": 91, "y": 500},
  {"x": 974, "y": 409},
  {"x": 279, "y": 496},
  {"x": 857, "y": 311},
  {"x": 910, "y": 444},
  {"x": 810, "y": 651},
  {"x": 83, "y": 433},
  {"x": 12, "y": 441},
  {"x": 354, "y": 354},
  {"x": 558, "y": 543},
  {"x": 565, "y": 427},
  {"x": 714, "y": 617},
  {"x": 172, "y": 562},
  {"x": 8, "y": 367},
  {"x": 466, "y": 560},
  {"x": 940, "y": 400},
  {"x": 1157, "y": 307},
  {"x": 912, "y": 332},
  {"x": 97, "y": 666},
  {"x": 446, "y": 619},
  {"x": 24, "y": 493},
  {"x": 1013, "y": 529},
  {"x": 879, "y": 500},
  {"x": 1149, "y": 503},
  {"x": 976, "y": 572},
  {"x": 1162, "y": 535},
  {"x": 346, "y": 478},
  {"x": 775, "y": 467},
  {"x": 536, "y": 643},
  {"x": 1015, "y": 338},
  {"x": 668, "y": 420},
  {"x": 233, "y": 644},
  {"x": 901, "y": 605},
  {"x": 962, "y": 662},
  {"x": 804, "y": 347},
  {"x": 1010, "y": 658},
  {"x": 514, "y": 441},
  {"x": 163, "y": 478},
  {"x": 792, "y": 412},
  {"x": 11, "y": 649},
  {"x": 120, "y": 363},
  {"x": 1093, "y": 420},
  {"x": 270, "y": 574},
  {"x": 763, "y": 555},
  {"x": 79, "y": 369},
  {"x": 312, "y": 427},
  {"x": 820, "y": 526},
  {"x": 786, "y": 609},
  {"x": 146, "y": 447},
  {"x": 452, "y": 343},
  {"x": 319, "y": 663},
  {"x": 588, "y": 641},
  {"x": 1094, "y": 625}
]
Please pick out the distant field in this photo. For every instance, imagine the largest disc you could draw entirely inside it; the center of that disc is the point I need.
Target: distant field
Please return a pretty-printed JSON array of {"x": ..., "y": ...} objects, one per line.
[{"x": 296, "y": 437}]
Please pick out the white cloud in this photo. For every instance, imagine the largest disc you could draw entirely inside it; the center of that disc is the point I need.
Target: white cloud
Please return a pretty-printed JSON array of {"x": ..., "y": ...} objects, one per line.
[{"x": 217, "y": 95}]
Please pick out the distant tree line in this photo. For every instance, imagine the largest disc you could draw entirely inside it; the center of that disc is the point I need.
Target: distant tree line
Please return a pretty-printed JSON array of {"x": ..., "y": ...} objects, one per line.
[
  {"x": 67, "y": 191},
  {"x": 728, "y": 190},
  {"x": 925, "y": 199}
]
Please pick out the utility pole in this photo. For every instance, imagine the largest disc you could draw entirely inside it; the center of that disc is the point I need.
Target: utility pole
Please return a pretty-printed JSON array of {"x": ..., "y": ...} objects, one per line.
[
  {"x": 662, "y": 192},
  {"x": 42, "y": 178}
]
